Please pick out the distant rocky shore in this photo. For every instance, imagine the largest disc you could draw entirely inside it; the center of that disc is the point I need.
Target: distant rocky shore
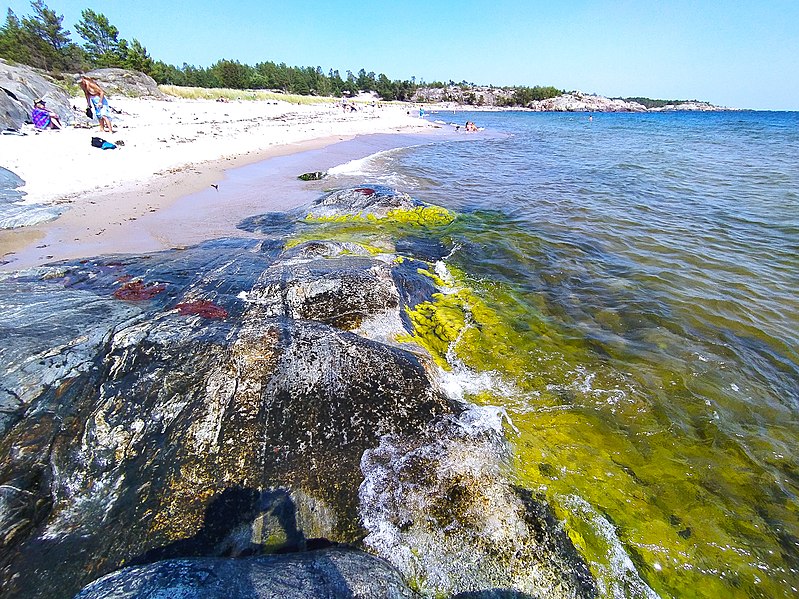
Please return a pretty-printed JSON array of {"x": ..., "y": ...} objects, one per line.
[
  {"x": 575, "y": 101},
  {"x": 579, "y": 102}
]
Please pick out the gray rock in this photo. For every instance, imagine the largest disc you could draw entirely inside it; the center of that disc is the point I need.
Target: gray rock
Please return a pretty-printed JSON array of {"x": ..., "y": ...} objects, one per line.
[
  {"x": 342, "y": 291},
  {"x": 326, "y": 574},
  {"x": 20, "y": 86},
  {"x": 580, "y": 102},
  {"x": 234, "y": 399},
  {"x": 440, "y": 509},
  {"x": 126, "y": 83},
  {"x": 375, "y": 200},
  {"x": 233, "y": 428}
]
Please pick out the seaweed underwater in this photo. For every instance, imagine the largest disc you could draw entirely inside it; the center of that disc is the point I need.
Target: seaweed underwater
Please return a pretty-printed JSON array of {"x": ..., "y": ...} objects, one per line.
[{"x": 397, "y": 375}]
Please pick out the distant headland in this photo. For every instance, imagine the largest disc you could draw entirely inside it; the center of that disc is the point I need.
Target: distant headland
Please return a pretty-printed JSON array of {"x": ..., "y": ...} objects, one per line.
[{"x": 552, "y": 101}]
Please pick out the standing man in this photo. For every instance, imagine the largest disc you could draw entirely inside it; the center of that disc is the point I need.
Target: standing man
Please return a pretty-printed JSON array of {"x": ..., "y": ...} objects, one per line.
[{"x": 95, "y": 98}]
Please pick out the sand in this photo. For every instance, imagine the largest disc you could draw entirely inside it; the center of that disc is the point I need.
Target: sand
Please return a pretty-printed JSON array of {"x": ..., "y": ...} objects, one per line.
[{"x": 122, "y": 200}]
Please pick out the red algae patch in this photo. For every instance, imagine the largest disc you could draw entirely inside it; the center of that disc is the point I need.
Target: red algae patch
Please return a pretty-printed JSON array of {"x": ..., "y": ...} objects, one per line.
[
  {"x": 202, "y": 308},
  {"x": 367, "y": 191},
  {"x": 137, "y": 291}
]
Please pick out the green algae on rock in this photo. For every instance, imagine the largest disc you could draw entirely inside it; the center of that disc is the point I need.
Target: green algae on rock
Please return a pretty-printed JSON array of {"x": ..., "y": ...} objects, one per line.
[
  {"x": 370, "y": 204},
  {"x": 627, "y": 448}
]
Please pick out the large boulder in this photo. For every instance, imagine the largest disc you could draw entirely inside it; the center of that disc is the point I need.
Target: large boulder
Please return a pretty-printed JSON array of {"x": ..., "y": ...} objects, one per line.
[
  {"x": 20, "y": 86},
  {"x": 126, "y": 83},
  {"x": 245, "y": 397},
  {"x": 150, "y": 412},
  {"x": 335, "y": 573}
]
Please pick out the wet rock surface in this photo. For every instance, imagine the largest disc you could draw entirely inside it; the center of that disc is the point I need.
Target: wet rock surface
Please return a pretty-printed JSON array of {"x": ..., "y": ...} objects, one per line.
[
  {"x": 369, "y": 199},
  {"x": 326, "y": 574},
  {"x": 468, "y": 529},
  {"x": 245, "y": 397}
]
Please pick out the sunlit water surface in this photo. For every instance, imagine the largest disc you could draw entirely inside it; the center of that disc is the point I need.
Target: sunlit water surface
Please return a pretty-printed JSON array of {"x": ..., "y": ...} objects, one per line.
[{"x": 645, "y": 270}]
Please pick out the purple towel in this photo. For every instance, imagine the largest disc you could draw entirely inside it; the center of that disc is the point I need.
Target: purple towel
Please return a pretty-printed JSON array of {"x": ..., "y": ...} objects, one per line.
[{"x": 41, "y": 118}]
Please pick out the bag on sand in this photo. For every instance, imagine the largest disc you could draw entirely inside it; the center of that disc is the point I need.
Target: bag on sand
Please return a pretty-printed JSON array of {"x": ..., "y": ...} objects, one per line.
[
  {"x": 89, "y": 112},
  {"x": 99, "y": 142}
]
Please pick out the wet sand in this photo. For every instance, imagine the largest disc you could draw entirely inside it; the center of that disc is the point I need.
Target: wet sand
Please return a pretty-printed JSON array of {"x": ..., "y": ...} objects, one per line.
[{"x": 192, "y": 204}]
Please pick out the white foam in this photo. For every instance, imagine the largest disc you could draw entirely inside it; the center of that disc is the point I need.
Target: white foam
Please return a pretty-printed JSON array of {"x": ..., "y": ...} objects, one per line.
[
  {"x": 20, "y": 214},
  {"x": 617, "y": 576},
  {"x": 360, "y": 166}
]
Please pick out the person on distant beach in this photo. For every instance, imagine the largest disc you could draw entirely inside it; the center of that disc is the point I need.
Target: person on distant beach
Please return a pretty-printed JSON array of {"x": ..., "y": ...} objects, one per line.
[
  {"x": 470, "y": 126},
  {"x": 43, "y": 118},
  {"x": 95, "y": 98}
]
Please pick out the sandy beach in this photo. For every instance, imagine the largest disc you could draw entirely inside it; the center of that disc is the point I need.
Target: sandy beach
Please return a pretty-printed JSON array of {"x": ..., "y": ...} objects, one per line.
[{"x": 116, "y": 200}]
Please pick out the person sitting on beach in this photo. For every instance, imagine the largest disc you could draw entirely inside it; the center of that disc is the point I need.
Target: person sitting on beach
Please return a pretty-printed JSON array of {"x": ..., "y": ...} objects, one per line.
[
  {"x": 470, "y": 126},
  {"x": 43, "y": 118},
  {"x": 96, "y": 99}
]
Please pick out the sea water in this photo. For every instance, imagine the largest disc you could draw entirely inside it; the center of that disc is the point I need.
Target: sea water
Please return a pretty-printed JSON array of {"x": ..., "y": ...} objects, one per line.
[
  {"x": 642, "y": 272},
  {"x": 14, "y": 212}
]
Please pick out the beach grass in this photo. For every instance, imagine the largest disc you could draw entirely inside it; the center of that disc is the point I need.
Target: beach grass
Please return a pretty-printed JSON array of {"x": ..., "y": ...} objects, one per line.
[{"x": 204, "y": 93}]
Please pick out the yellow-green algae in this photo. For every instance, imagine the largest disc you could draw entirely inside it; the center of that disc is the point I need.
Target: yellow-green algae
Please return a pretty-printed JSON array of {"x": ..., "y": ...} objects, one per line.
[
  {"x": 421, "y": 216},
  {"x": 690, "y": 528},
  {"x": 374, "y": 234},
  {"x": 640, "y": 445}
]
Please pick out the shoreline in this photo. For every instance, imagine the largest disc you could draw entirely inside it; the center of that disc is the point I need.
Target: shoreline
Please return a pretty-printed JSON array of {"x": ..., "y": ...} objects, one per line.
[{"x": 135, "y": 211}]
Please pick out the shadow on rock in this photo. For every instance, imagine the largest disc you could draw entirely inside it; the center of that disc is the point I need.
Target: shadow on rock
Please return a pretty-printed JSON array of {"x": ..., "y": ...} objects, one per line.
[{"x": 241, "y": 522}]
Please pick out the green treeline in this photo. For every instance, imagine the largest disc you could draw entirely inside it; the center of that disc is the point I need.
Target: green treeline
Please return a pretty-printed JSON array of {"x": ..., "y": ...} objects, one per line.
[
  {"x": 650, "y": 103},
  {"x": 40, "y": 40}
]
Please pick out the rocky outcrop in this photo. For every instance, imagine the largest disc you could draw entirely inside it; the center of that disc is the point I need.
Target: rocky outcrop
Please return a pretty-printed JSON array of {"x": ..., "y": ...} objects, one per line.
[
  {"x": 244, "y": 397},
  {"x": 126, "y": 83},
  {"x": 471, "y": 95},
  {"x": 574, "y": 101},
  {"x": 154, "y": 434},
  {"x": 580, "y": 102},
  {"x": 20, "y": 86},
  {"x": 329, "y": 573},
  {"x": 692, "y": 106}
]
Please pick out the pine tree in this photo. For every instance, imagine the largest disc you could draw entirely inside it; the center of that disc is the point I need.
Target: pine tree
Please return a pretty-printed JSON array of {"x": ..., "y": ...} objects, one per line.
[
  {"x": 102, "y": 39},
  {"x": 48, "y": 42},
  {"x": 12, "y": 40},
  {"x": 137, "y": 58}
]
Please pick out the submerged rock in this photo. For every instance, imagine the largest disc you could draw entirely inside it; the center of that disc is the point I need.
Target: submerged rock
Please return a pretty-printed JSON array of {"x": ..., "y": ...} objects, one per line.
[
  {"x": 330, "y": 573},
  {"x": 314, "y": 176},
  {"x": 377, "y": 202}
]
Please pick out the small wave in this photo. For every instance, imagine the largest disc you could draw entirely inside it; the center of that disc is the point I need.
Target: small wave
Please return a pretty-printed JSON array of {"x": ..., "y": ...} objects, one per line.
[
  {"x": 362, "y": 166},
  {"x": 617, "y": 575},
  {"x": 441, "y": 508},
  {"x": 26, "y": 215},
  {"x": 379, "y": 168}
]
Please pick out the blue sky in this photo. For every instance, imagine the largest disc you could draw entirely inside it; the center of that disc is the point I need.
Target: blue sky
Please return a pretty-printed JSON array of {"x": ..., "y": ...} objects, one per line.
[{"x": 736, "y": 53}]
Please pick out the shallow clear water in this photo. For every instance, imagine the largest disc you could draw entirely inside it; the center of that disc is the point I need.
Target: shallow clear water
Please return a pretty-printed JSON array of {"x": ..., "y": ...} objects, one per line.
[
  {"x": 643, "y": 271},
  {"x": 13, "y": 211}
]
